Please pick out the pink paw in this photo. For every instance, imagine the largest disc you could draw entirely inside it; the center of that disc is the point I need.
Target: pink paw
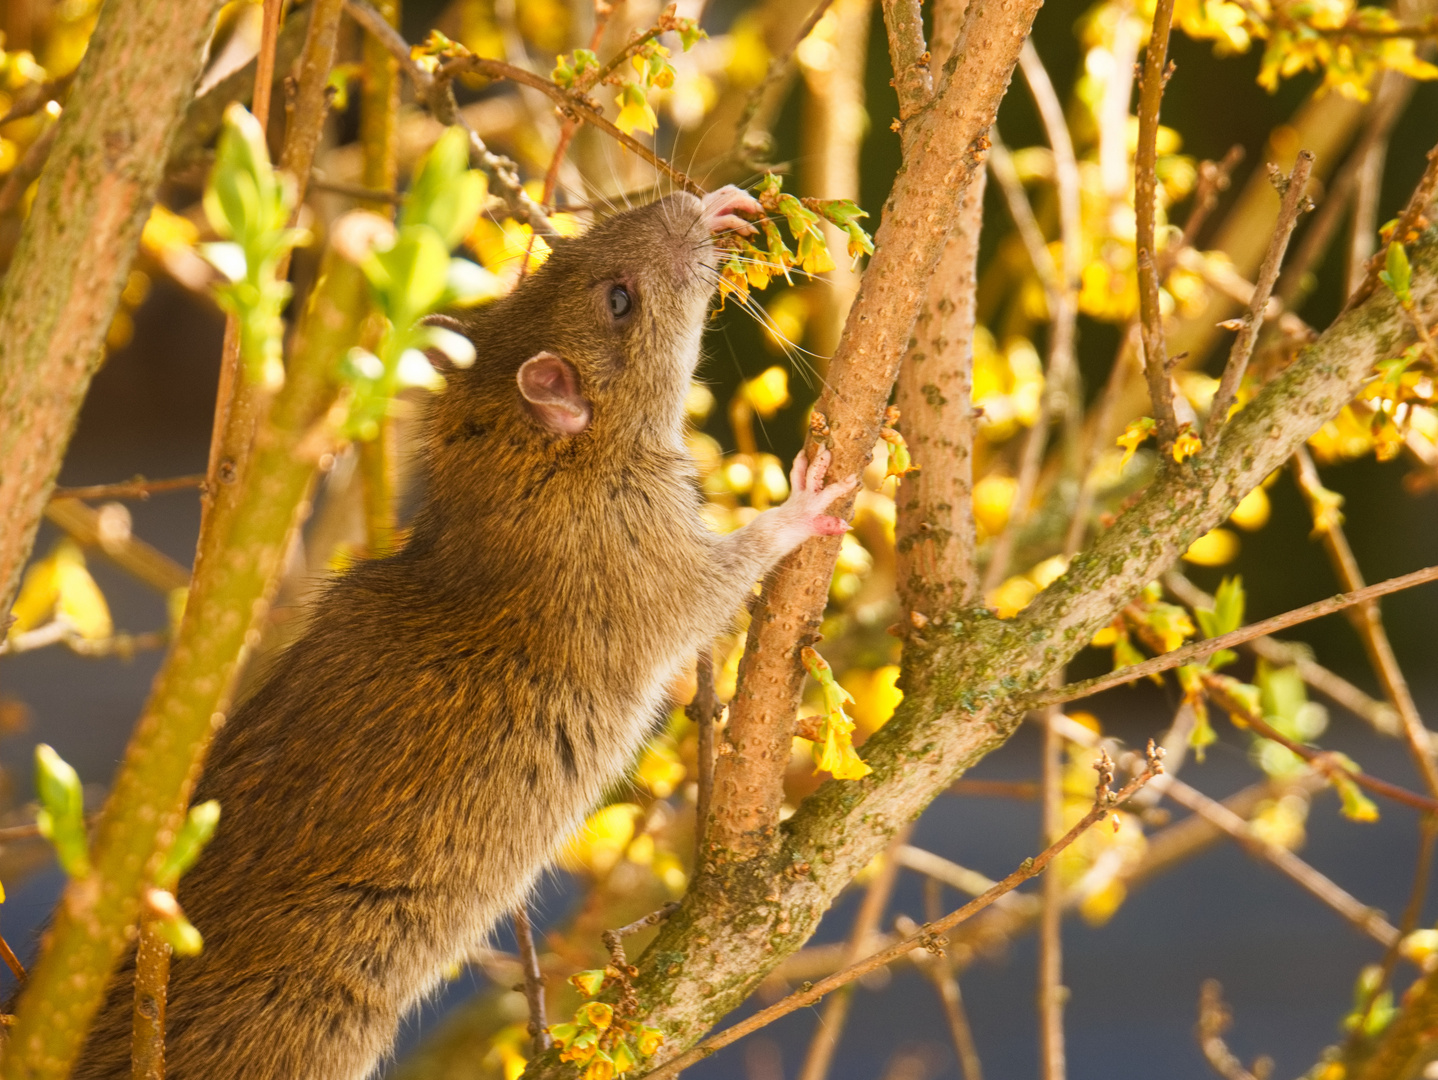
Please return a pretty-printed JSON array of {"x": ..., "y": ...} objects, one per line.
[
  {"x": 809, "y": 498},
  {"x": 721, "y": 210}
]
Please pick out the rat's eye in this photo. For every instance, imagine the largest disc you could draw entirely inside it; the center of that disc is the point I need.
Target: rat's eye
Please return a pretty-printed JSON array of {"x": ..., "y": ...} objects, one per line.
[{"x": 620, "y": 302}]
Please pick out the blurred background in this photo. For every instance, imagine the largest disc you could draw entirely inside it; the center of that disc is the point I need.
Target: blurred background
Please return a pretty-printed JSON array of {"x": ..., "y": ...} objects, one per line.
[{"x": 1287, "y": 963}]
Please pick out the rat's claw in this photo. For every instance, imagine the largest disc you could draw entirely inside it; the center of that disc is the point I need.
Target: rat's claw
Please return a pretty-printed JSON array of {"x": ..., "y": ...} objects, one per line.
[{"x": 721, "y": 210}]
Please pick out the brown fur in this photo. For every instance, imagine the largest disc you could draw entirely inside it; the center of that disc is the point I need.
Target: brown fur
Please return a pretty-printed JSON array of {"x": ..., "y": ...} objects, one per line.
[{"x": 452, "y": 712}]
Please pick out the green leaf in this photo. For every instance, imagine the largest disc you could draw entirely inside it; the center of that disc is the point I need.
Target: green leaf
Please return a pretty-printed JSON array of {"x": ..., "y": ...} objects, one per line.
[
  {"x": 194, "y": 835},
  {"x": 1202, "y": 736},
  {"x": 588, "y": 983},
  {"x": 1397, "y": 274},
  {"x": 446, "y": 194},
  {"x": 417, "y": 267},
  {"x": 1228, "y": 605},
  {"x": 61, "y": 818}
]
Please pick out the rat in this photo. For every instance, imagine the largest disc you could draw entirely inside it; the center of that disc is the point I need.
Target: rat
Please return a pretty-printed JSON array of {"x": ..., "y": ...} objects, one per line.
[{"x": 451, "y": 713}]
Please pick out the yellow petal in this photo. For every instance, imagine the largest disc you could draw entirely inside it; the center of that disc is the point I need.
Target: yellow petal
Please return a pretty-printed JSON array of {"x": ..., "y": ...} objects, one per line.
[{"x": 1214, "y": 548}]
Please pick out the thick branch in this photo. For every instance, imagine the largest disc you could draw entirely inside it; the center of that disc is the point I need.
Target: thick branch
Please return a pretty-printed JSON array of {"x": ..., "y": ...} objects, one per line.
[
  {"x": 948, "y": 141},
  {"x": 78, "y": 242},
  {"x": 228, "y": 602},
  {"x": 935, "y": 539},
  {"x": 967, "y": 682}
]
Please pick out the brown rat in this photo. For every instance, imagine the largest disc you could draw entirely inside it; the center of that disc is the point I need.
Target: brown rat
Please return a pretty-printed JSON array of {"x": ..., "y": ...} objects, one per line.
[{"x": 453, "y": 711}]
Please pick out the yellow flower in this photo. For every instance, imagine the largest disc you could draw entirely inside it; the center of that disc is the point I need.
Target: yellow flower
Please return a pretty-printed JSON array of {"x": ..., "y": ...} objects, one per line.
[
  {"x": 993, "y": 498},
  {"x": 650, "y": 1039},
  {"x": 635, "y": 113},
  {"x": 1134, "y": 434},
  {"x": 1213, "y": 548},
  {"x": 1252, "y": 512},
  {"x": 1012, "y": 596},
  {"x": 59, "y": 586},
  {"x": 1186, "y": 445}
]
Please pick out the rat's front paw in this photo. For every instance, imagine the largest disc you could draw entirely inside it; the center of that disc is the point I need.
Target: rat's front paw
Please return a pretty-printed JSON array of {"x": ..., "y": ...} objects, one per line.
[
  {"x": 809, "y": 498},
  {"x": 723, "y": 207}
]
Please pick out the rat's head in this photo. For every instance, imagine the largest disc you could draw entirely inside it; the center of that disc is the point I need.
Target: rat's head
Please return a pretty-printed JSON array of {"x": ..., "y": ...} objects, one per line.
[{"x": 602, "y": 340}]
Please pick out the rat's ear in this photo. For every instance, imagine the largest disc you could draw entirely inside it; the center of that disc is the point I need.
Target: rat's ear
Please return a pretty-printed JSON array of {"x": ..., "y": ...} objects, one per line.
[{"x": 551, "y": 387}]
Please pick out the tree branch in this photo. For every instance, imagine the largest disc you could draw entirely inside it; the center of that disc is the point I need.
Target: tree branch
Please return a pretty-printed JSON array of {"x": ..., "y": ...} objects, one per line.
[
  {"x": 1291, "y": 206},
  {"x": 79, "y": 240},
  {"x": 904, "y": 22},
  {"x": 967, "y": 685},
  {"x": 929, "y": 936},
  {"x": 228, "y": 601},
  {"x": 1368, "y": 621},
  {"x": 1150, "y": 95},
  {"x": 935, "y": 542},
  {"x": 948, "y": 146},
  {"x": 1199, "y": 649}
]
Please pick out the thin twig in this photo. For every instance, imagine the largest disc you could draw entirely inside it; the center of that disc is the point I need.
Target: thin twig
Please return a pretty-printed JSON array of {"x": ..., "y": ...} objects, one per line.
[
  {"x": 703, "y": 712},
  {"x": 1199, "y": 649},
  {"x": 1360, "y": 915},
  {"x": 138, "y": 488},
  {"x": 830, "y": 1026},
  {"x": 909, "y": 55},
  {"x": 533, "y": 981},
  {"x": 1293, "y": 203},
  {"x": 1417, "y": 207},
  {"x": 929, "y": 935},
  {"x": 1381, "y": 716},
  {"x": 438, "y": 95},
  {"x": 1051, "y": 991},
  {"x": 1213, "y": 181},
  {"x": 1367, "y": 619},
  {"x": 98, "y": 528},
  {"x": 778, "y": 66},
  {"x": 1150, "y": 94},
  {"x": 1102, "y": 418},
  {"x": 1295, "y": 281},
  {"x": 265, "y": 61},
  {"x": 571, "y": 104},
  {"x": 27, "y": 169},
  {"x": 940, "y": 971},
  {"x": 614, "y": 939},
  {"x": 1321, "y": 760},
  {"x": 62, "y": 632},
  {"x": 1026, "y": 790},
  {"x": 1213, "y": 1020},
  {"x": 12, "y": 961},
  {"x": 1060, "y": 287},
  {"x": 355, "y": 191}
]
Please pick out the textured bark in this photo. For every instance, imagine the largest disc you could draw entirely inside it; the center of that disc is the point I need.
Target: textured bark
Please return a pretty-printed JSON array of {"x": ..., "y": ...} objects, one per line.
[
  {"x": 78, "y": 242},
  {"x": 935, "y": 538},
  {"x": 965, "y": 682},
  {"x": 949, "y": 141}
]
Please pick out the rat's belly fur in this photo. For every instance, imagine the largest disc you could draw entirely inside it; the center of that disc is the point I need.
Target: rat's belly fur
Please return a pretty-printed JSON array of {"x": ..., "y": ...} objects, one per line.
[{"x": 377, "y": 820}]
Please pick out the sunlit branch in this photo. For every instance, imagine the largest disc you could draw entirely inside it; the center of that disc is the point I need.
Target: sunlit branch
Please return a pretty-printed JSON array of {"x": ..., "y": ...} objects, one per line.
[
  {"x": 1199, "y": 649},
  {"x": 929, "y": 936},
  {"x": 1155, "y": 356},
  {"x": 1293, "y": 202}
]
